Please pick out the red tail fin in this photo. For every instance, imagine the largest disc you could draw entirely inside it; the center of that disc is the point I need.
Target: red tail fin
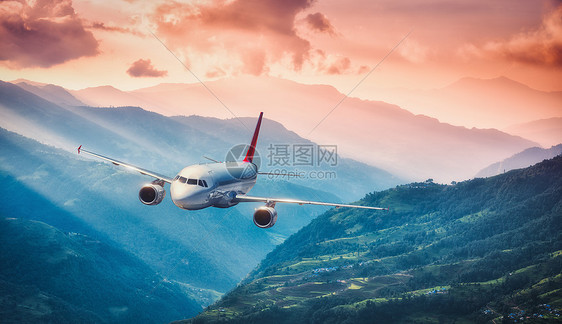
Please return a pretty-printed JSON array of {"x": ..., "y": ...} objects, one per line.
[{"x": 250, "y": 155}]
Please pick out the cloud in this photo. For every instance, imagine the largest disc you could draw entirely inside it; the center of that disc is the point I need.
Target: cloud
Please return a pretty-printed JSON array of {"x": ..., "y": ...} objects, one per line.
[
  {"x": 215, "y": 72},
  {"x": 320, "y": 23},
  {"x": 254, "y": 62},
  {"x": 102, "y": 26},
  {"x": 235, "y": 28},
  {"x": 42, "y": 33},
  {"x": 144, "y": 68},
  {"x": 413, "y": 51},
  {"x": 542, "y": 46},
  {"x": 363, "y": 69},
  {"x": 340, "y": 66},
  {"x": 332, "y": 64}
]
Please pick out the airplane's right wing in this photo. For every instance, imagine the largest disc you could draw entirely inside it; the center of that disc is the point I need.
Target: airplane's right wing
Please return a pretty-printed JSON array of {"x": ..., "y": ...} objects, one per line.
[{"x": 244, "y": 198}]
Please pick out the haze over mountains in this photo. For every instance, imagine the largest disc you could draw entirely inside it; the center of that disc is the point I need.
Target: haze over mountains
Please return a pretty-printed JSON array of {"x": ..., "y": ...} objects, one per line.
[
  {"x": 547, "y": 132},
  {"x": 50, "y": 92},
  {"x": 521, "y": 160},
  {"x": 163, "y": 143},
  {"x": 482, "y": 103},
  {"x": 205, "y": 252},
  {"x": 376, "y": 133}
]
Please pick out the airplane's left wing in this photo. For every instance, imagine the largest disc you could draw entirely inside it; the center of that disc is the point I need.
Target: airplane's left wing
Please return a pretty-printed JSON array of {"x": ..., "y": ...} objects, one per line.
[
  {"x": 244, "y": 198},
  {"x": 129, "y": 166}
]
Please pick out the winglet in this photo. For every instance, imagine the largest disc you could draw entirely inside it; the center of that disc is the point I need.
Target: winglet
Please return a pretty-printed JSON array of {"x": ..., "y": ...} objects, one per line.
[
  {"x": 250, "y": 155},
  {"x": 79, "y": 147}
]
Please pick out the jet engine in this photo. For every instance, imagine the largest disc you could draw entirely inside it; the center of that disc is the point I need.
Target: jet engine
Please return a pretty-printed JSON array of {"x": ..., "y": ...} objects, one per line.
[
  {"x": 265, "y": 217},
  {"x": 152, "y": 194}
]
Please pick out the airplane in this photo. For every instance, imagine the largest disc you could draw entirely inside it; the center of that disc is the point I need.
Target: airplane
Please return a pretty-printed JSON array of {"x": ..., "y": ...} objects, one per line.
[{"x": 219, "y": 184}]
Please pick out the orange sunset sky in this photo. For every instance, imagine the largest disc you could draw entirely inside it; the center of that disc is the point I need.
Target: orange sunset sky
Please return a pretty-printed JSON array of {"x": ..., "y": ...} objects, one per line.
[
  {"x": 78, "y": 44},
  {"x": 393, "y": 51}
]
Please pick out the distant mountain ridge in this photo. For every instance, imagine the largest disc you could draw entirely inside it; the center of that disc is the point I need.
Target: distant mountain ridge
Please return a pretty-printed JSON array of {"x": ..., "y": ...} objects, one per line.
[
  {"x": 478, "y": 251},
  {"x": 547, "y": 132},
  {"x": 376, "y": 133},
  {"x": 182, "y": 140},
  {"x": 484, "y": 103},
  {"x": 52, "y": 93},
  {"x": 521, "y": 160}
]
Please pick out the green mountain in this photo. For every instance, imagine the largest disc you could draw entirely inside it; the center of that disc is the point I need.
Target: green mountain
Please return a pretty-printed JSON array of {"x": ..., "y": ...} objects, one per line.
[
  {"x": 476, "y": 251},
  {"x": 48, "y": 276}
]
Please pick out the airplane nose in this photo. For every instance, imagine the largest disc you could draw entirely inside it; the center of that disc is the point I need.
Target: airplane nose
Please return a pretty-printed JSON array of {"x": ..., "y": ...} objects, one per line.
[
  {"x": 182, "y": 191},
  {"x": 185, "y": 195}
]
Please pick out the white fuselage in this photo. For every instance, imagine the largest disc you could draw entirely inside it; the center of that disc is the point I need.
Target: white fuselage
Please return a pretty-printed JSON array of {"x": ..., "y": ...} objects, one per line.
[{"x": 215, "y": 184}]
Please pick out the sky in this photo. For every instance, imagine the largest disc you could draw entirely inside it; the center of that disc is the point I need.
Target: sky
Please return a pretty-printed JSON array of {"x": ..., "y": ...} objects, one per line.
[{"x": 416, "y": 44}]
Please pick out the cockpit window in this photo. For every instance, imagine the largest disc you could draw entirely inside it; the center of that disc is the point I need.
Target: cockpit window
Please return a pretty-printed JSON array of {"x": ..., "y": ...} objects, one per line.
[{"x": 195, "y": 182}]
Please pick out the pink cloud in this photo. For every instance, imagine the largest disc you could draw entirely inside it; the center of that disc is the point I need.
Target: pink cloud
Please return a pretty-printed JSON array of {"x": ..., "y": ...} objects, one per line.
[
  {"x": 339, "y": 66},
  {"x": 42, "y": 33},
  {"x": 254, "y": 63},
  {"x": 102, "y": 26},
  {"x": 266, "y": 28},
  {"x": 319, "y": 22},
  {"x": 144, "y": 68},
  {"x": 542, "y": 46},
  {"x": 215, "y": 72},
  {"x": 363, "y": 69}
]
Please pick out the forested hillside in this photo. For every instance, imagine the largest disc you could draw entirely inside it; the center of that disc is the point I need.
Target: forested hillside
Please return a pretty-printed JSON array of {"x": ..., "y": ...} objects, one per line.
[
  {"x": 48, "y": 276},
  {"x": 480, "y": 250}
]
